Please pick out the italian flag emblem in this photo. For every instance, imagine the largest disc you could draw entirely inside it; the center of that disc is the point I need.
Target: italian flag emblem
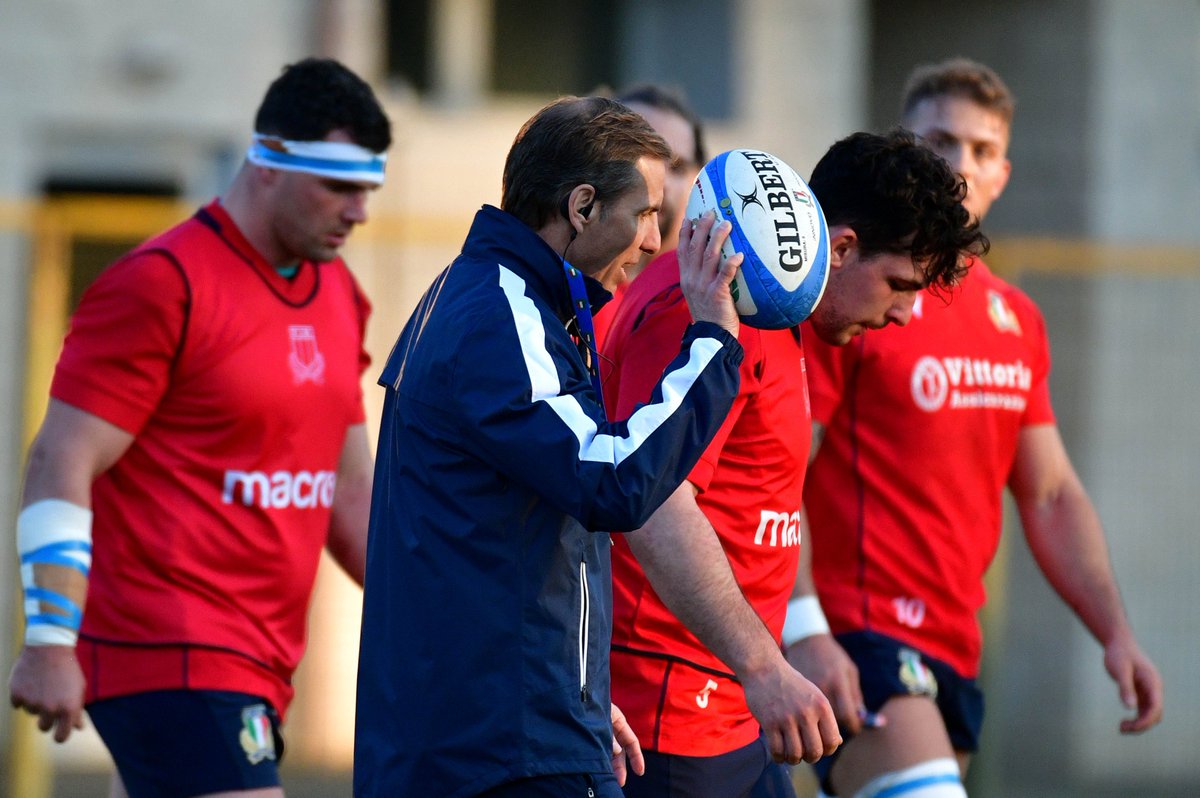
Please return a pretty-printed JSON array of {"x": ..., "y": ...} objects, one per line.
[{"x": 256, "y": 736}]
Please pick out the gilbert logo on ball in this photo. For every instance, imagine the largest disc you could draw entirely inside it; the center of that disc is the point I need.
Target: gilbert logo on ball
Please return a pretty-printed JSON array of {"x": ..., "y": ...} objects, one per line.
[{"x": 777, "y": 224}]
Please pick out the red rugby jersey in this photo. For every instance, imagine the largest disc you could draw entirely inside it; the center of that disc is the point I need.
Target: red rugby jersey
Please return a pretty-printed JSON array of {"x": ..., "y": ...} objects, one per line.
[
  {"x": 678, "y": 697},
  {"x": 238, "y": 386},
  {"x": 904, "y": 496}
]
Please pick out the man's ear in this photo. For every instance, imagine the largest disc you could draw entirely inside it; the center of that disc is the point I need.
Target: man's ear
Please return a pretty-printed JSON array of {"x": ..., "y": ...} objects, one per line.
[
  {"x": 843, "y": 243},
  {"x": 577, "y": 206},
  {"x": 266, "y": 176}
]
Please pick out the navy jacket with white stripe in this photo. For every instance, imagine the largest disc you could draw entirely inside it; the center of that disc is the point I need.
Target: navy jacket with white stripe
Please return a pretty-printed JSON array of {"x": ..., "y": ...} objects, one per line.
[{"x": 487, "y": 607}]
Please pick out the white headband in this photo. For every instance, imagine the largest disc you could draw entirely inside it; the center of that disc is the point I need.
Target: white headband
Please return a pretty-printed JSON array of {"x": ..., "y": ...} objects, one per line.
[{"x": 337, "y": 159}]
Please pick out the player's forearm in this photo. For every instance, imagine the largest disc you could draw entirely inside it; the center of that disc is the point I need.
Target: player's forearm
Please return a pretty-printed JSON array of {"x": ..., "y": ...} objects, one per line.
[
  {"x": 1067, "y": 540},
  {"x": 805, "y": 616},
  {"x": 347, "y": 544},
  {"x": 805, "y": 586},
  {"x": 347, "y": 541},
  {"x": 682, "y": 556},
  {"x": 54, "y": 528},
  {"x": 54, "y": 544},
  {"x": 351, "y": 511}
]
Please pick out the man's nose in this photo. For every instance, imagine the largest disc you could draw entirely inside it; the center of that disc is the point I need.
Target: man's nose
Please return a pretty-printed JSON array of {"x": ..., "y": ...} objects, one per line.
[
  {"x": 901, "y": 313},
  {"x": 653, "y": 239}
]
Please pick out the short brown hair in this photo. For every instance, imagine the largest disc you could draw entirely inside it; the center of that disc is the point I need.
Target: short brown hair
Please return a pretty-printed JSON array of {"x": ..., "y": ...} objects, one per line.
[
  {"x": 571, "y": 141},
  {"x": 959, "y": 77}
]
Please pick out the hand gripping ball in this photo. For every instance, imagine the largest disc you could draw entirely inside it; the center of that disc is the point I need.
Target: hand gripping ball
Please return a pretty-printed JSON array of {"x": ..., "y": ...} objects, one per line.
[{"x": 777, "y": 224}]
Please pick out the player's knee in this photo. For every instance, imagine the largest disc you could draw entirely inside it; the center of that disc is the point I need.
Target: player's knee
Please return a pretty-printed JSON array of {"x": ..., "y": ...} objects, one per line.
[{"x": 937, "y": 778}]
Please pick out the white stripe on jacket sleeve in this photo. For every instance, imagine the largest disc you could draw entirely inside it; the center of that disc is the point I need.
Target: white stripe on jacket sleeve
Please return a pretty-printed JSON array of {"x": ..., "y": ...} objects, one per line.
[{"x": 543, "y": 377}]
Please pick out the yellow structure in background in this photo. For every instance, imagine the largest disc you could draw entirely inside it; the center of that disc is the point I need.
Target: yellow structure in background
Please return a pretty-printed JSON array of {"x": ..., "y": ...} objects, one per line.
[
  {"x": 57, "y": 225},
  {"x": 52, "y": 227}
]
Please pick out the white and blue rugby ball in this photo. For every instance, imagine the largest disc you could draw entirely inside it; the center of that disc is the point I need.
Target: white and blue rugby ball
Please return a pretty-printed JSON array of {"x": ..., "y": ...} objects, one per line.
[{"x": 778, "y": 226}]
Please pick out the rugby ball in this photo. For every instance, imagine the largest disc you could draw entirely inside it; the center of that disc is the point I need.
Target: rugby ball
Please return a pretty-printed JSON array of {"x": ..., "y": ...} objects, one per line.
[{"x": 777, "y": 225}]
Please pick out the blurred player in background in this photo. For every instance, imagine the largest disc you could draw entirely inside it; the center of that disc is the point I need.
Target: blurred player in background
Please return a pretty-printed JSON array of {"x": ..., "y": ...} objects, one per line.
[
  {"x": 919, "y": 432},
  {"x": 204, "y": 441},
  {"x": 673, "y": 119},
  {"x": 701, "y": 590}
]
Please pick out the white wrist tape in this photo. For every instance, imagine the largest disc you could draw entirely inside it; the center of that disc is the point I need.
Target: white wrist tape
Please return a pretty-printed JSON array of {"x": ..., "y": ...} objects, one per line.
[
  {"x": 58, "y": 533},
  {"x": 804, "y": 619}
]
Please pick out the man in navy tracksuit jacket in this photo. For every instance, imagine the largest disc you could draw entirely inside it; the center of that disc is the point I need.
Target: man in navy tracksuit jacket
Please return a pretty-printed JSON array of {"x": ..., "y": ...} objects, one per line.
[{"x": 487, "y": 608}]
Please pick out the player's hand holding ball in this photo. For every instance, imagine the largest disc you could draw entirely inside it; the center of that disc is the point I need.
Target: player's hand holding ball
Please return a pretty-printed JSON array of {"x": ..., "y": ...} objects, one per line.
[
  {"x": 705, "y": 274},
  {"x": 774, "y": 224}
]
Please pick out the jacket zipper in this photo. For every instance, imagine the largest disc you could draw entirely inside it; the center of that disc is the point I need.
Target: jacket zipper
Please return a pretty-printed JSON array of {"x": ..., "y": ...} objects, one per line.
[{"x": 584, "y": 621}]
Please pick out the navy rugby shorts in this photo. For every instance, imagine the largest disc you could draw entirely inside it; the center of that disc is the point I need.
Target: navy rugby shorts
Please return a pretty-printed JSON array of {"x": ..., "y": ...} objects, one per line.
[
  {"x": 746, "y": 772},
  {"x": 190, "y": 742},
  {"x": 887, "y": 668}
]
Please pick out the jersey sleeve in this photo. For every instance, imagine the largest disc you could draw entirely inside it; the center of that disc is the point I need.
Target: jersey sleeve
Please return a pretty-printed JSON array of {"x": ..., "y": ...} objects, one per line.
[
  {"x": 362, "y": 308},
  {"x": 123, "y": 340},
  {"x": 1039, "y": 409},
  {"x": 537, "y": 419},
  {"x": 648, "y": 350},
  {"x": 825, "y": 366}
]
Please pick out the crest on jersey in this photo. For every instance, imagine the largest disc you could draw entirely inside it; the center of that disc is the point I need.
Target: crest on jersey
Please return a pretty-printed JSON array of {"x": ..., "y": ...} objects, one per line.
[
  {"x": 306, "y": 360},
  {"x": 915, "y": 675},
  {"x": 1002, "y": 315},
  {"x": 256, "y": 736}
]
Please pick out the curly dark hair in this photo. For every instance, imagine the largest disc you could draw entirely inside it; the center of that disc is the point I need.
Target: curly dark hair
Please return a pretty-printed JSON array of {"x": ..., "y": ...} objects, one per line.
[
  {"x": 316, "y": 96},
  {"x": 900, "y": 198},
  {"x": 571, "y": 141}
]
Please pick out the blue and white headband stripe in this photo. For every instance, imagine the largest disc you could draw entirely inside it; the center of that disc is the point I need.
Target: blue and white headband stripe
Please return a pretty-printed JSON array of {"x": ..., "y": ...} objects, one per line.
[{"x": 339, "y": 160}]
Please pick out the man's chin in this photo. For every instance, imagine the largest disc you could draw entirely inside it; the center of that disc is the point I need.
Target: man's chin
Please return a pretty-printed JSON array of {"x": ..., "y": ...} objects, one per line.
[
  {"x": 846, "y": 336},
  {"x": 837, "y": 336},
  {"x": 613, "y": 277},
  {"x": 322, "y": 254}
]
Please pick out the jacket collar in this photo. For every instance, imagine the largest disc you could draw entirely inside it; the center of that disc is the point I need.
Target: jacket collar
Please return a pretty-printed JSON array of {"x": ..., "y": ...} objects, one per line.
[{"x": 499, "y": 236}]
